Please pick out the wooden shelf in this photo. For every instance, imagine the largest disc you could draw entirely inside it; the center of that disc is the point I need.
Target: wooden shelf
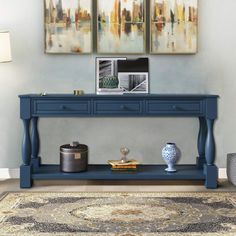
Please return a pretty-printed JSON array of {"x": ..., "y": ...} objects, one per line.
[{"x": 103, "y": 172}]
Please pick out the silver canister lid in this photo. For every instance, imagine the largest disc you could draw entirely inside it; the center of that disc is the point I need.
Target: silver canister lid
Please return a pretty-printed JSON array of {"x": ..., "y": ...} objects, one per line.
[{"x": 74, "y": 147}]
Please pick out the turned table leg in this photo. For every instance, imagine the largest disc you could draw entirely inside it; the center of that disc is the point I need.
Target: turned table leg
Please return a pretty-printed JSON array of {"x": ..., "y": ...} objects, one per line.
[
  {"x": 35, "y": 144},
  {"x": 26, "y": 168},
  {"x": 201, "y": 159},
  {"x": 210, "y": 169}
]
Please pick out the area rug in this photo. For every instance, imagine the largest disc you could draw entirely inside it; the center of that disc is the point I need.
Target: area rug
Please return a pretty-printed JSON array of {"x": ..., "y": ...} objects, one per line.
[{"x": 118, "y": 214}]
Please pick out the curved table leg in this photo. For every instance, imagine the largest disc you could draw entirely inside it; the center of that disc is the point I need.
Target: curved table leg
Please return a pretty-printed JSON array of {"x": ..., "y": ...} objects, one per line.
[
  {"x": 26, "y": 168},
  {"x": 35, "y": 144},
  {"x": 210, "y": 170},
  {"x": 201, "y": 159}
]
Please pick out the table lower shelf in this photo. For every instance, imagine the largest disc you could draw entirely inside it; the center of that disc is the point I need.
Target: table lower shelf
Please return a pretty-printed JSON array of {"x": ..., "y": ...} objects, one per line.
[{"x": 103, "y": 172}]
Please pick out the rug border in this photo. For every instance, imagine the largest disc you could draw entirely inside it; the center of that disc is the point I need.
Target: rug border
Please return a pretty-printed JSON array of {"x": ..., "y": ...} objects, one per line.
[{"x": 4, "y": 195}]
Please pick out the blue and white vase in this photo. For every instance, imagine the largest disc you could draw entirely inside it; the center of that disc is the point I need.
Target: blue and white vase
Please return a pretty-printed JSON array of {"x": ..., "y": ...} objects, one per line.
[{"x": 171, "y": 154}]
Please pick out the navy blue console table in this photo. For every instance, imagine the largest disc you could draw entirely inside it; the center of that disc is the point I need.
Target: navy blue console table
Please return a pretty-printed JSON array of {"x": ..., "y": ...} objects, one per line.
[{"x": 202, "y": 106}]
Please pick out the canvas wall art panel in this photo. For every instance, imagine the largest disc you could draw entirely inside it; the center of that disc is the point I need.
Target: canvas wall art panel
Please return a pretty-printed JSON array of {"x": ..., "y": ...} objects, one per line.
[
  {"x": 174, "y": 26},
  {"x": 68, "y": 26},
  {"x": 121, "y": 26}
]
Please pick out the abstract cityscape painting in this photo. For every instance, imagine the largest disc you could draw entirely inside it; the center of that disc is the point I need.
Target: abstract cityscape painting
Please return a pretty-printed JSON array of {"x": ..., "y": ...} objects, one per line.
[
  {"x": 68, "y": 26},
  {"x": 174, "y": 26},
  {"x": 121, "y": 26}
]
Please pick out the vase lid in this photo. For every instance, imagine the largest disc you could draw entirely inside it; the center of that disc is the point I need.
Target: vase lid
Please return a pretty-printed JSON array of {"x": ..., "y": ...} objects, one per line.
[{"x": 171, "y": 144}]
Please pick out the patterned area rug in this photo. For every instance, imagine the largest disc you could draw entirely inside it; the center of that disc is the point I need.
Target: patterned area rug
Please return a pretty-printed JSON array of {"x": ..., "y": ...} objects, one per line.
[{"x": 123, "y": 214}]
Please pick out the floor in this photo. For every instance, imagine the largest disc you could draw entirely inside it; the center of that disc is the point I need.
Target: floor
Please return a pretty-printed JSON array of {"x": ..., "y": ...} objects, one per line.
[{"x": 110, "y": 186}]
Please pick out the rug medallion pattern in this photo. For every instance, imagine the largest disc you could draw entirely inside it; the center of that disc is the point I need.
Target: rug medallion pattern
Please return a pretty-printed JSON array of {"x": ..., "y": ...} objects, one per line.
[{"x": 118, "y": 214}]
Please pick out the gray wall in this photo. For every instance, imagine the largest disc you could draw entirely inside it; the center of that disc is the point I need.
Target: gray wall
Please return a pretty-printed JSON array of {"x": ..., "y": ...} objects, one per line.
[{"x": 212, "y": 70}]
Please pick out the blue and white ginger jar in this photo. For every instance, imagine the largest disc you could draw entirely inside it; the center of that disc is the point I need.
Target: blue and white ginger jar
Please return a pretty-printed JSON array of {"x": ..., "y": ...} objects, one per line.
[{"x": 171, "y": 155}]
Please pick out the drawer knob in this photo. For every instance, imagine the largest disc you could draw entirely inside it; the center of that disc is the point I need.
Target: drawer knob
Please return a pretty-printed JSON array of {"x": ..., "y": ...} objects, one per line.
[
  {"x": 122, "y": 107},
  {"x": 175, "y": 107},
  {"x": 63, "y": 107}
]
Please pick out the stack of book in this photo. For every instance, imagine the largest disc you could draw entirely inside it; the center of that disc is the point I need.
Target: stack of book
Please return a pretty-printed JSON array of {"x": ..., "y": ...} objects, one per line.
[{"x": 131, "y": 165}]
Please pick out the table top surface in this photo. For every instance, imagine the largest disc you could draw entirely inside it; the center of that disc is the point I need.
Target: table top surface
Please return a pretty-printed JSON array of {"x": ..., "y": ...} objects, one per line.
[{"x": 119, "y": 96}]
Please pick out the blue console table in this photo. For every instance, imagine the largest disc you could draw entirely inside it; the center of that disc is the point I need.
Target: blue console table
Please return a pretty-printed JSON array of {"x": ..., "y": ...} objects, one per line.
[{"x": 202, "y": 106}]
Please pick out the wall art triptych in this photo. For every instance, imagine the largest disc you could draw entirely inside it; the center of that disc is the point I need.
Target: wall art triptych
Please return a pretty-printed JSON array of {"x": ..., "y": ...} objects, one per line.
[{"x": 121, "y": 26}]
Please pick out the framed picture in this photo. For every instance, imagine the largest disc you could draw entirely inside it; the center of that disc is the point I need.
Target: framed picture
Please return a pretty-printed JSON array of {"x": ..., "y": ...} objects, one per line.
[
  {"x": 68, "y": 26},
  {"x": 174, "y": 26},
  {"x": 134, "y": 82},
  {"x": 121, "y": 26},
  {"x": 107, "y": 75}
]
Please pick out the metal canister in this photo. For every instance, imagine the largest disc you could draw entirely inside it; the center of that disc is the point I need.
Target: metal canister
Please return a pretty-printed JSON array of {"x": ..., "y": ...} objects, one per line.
[{"x": 73, "y": 157}]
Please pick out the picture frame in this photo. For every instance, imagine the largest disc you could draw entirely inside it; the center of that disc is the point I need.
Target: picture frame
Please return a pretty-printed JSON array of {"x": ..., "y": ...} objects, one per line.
[
  {"x": 173, "y": 27},
  {"x": 107, "y": 75},
  {"x": 134, "y": 82},
  {"x": 121, "y": 27},
  {"x": 68, "y": 26}
]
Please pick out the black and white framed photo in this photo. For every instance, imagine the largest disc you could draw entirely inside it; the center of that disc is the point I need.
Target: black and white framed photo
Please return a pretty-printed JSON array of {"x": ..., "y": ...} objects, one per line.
[
  {"x": 133, "y": 75},
  {"x": 107, "y": 81},
  {"x": 134, "y": 82}
]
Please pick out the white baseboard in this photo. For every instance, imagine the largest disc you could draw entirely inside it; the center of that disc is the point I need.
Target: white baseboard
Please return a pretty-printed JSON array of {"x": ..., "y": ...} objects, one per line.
[
  {"x": 6, "y": 173},
  {"x": 222, "y": 173}
]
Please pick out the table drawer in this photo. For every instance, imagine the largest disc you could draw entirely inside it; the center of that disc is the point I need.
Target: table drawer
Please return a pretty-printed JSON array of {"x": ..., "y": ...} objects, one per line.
[
  {"x": 117, "y": 107},
  {"x": 51, "y": 107},
  {"x": 173, "y": 107}
]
